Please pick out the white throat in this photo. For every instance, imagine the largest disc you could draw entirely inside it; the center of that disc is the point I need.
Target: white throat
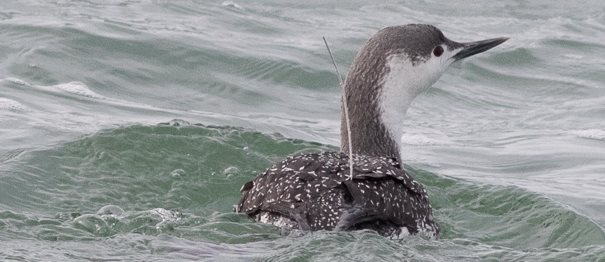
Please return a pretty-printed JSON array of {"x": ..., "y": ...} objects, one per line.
[{"x": 403, "y": 83}]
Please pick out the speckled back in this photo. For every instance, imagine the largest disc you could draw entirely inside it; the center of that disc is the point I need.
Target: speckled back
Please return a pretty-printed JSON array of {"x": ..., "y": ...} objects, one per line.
[{"x": 314, "y": 191}]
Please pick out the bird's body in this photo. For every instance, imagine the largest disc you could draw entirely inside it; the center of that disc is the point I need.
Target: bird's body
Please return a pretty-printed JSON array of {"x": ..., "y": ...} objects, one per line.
[{"x": 314, "y": 191}]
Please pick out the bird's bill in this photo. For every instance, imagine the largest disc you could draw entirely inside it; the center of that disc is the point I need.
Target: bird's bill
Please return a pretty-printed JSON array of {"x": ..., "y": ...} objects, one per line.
[{"x": 473, "y": 48}]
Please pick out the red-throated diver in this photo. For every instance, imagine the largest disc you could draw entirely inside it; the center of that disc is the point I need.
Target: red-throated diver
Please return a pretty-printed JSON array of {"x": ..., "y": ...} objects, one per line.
[{"x": 313, "y": 192}]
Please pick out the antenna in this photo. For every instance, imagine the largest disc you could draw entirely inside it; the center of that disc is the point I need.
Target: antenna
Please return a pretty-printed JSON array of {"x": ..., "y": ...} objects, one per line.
[{"x": 346, "y": 108}]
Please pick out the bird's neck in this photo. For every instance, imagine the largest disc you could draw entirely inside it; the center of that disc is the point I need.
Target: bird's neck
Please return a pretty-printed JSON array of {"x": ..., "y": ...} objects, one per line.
[{"x": 379, "y": 93}]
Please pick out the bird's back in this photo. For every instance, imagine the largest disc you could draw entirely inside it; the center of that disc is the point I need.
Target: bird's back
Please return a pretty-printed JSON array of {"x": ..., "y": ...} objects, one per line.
[{"x": 314, "y": 192}]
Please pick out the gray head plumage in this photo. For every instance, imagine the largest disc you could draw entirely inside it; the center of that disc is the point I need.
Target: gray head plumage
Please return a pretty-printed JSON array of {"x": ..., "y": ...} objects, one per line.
[{"x": 417, "y": 41}]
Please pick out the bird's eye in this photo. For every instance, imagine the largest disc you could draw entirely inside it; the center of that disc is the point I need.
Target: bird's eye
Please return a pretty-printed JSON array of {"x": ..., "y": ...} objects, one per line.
[{"x": 438, "y": 51}]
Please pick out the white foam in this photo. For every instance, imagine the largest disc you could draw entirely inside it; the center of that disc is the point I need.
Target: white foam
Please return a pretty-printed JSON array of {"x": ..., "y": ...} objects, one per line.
[
  {"x": 165, "y": 215},
  {"x": 74, "y": 87},
  {"x": 78, "y": 88},
  {"x": 12, "y": 105},
  {"x": 178, "y": 173},
  {"x": 590, "y": 133},
  {"x": 232, "y": 5},
  {"x": 17, "y": 81}
]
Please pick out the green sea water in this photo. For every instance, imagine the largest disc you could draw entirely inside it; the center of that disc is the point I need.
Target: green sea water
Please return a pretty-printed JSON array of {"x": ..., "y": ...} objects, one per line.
[{"x": 128, "y": 127}]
